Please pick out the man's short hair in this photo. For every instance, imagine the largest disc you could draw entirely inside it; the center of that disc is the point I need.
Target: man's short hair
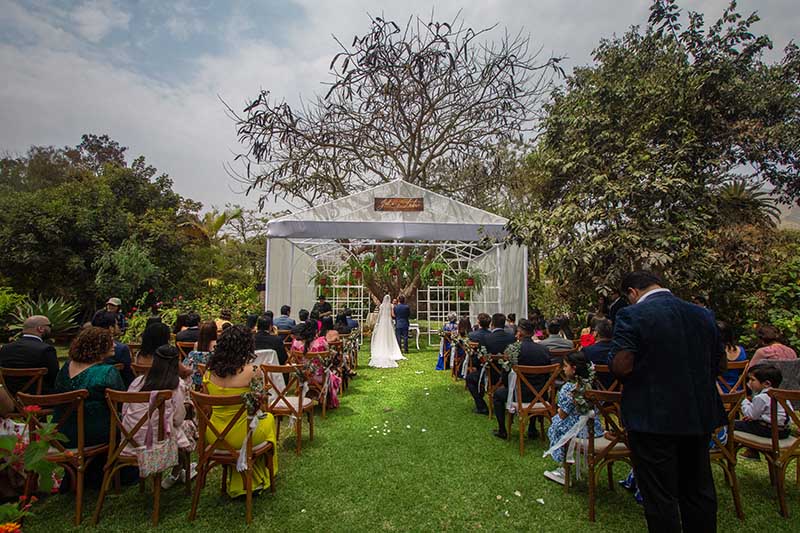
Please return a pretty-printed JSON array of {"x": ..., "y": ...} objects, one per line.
[
  {"x": 192, "y": 320},
  {"x": 401, "y": 299},
  {"x": 641, "y": 279},
  {"x": 303, "y": 315},
  {"x": 553, "y": 327},
  {"x": 526, "y": 326},
  {"x": 285, "y": 310},
  {"x": 498, "y": 320},
  {"x": 104, "y": 319},
  {"x": 348, "y": 312},
  {"x": 604, "y": 328},
  {"x": 321, "y": 297},
  {"x": 767, "y": 373},
  {"x": 225, "y": 314},
  {"x": 484, "y": 320},
  {"x": 264, "y": 323}
]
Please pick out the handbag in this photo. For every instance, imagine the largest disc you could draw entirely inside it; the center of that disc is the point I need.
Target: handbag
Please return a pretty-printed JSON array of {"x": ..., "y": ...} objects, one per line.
[{"x": 159, "y": 456}]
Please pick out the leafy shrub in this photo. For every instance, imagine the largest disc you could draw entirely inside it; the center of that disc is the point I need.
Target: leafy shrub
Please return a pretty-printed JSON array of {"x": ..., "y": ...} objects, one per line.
[{"x": 62, "y": 314}]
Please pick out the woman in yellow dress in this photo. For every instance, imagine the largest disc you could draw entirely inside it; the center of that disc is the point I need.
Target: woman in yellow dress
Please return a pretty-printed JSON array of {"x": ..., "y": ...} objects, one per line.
[{"x": 229, "y": 373}]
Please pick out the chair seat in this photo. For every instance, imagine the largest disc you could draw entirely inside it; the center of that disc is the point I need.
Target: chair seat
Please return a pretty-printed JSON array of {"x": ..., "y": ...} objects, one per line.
[
  {"x": 54, "y": 454},
  {"x": 601, "y": 444},
  {"x": 224, "y": 456},
  {"x": 764, "y": 443},
  {"x": 538, "y": 406},
  {"x": 292, "y": 404}
]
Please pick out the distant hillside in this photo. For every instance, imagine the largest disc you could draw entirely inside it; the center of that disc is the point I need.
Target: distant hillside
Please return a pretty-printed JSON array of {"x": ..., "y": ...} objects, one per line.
[{"x": 790, "y": 217}]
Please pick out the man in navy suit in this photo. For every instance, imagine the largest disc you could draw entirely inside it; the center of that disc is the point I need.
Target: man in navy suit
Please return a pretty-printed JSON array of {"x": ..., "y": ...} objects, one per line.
[
  {"x": 479, "y": 335},
  {"x": 30, "y": 351},
  {"x": 402, "y": 314},
  {"x": 667, "y": 353}
]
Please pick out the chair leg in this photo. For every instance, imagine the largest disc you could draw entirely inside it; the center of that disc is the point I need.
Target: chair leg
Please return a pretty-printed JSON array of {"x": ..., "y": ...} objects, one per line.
[
  {"x": 79, "y": 494},
  {"x": 187, "y": 462},
  {"x": 567, "y": 475},
  {"x": 278, "y": 427},
  {"x": 311, "y": 424},
  {"x": 157, "y": 497},
  {"x": 224, "y": 485},
  {"x": 780, "y": 485},
  {"x": 592, "y": 489},
  {"x": 102, "y": 497},
  {"x": 298, "y": 434},
  {"x": 198, "y": 486},
  {"x": 489, "y": 394},
  {"x": 737, "y": 500},
  {"x": 248, "y": 487},
  {"x": 522, "y": 420},
  {"x": 141, "y": 485},
  {"x": 271, "y": 470}
]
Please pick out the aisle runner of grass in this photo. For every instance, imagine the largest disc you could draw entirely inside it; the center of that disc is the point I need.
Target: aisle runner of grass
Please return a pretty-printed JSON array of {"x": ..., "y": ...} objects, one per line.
[{"x": 405, "y": 453}]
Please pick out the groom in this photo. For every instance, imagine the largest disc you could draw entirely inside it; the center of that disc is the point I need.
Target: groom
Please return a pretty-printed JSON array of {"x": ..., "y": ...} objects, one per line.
[{"x": 402, "y": 313}]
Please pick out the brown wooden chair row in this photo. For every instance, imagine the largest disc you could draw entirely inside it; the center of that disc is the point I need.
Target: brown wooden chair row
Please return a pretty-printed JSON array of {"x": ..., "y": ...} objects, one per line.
[{"x": 542, "y": 405}]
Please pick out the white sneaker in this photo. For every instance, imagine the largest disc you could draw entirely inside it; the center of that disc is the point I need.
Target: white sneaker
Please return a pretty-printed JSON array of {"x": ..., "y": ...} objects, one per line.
[
  {"x": 192, "y": 470},
  {"x": 169, "y": 480},
  {"x": 556, "y": 475}
]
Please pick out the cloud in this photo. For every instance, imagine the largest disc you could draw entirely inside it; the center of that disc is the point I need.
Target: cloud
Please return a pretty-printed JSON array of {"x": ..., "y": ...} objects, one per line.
[{"x": 97, "y": 18}]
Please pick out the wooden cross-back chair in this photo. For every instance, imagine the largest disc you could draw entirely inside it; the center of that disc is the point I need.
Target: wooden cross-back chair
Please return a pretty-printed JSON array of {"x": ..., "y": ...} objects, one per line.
[
  {"x": 543, "y": 402},
  {"x": 494, "y": 379},
  {"x": 724, "y": 453},
  {"x": 602, "y": 452},
  {"x": 31, "y": 379},
  {"x": 354, "y": 336},
  {"x": 184, "y": 348},
  {"x": 338, "y": 347},
  {"x": 134, "y": 348},
  {"x": 221, "y": 453},
  {"x": 605, "y": 379},
  {"x": 284, "y": 333},
  {"x": 120, "y": 438},
  {"x": 288, "y": 401},
  {"x": 140, "y": 370},
  {"x": 557, "y": 356},
  {"x": 724, "y": 387},
  {"x": 319, "y": 390},
  {"x": 778, "y": 452},
  {"x": 73, "y": 460},
  {"x": 460, "y": 350}
]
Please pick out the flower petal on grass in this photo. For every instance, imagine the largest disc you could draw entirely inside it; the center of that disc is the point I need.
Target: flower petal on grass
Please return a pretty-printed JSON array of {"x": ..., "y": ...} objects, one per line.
[
  {"x": 518, "y": 494},
  {"x": 540, "y": 500}
]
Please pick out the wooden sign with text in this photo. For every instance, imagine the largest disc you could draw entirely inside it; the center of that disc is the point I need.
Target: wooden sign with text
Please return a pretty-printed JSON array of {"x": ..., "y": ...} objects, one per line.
[{"x": 399, "y": 204}]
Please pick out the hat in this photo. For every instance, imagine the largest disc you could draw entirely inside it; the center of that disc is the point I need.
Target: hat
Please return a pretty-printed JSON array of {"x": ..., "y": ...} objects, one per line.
[{"x": 114, "y": 301}]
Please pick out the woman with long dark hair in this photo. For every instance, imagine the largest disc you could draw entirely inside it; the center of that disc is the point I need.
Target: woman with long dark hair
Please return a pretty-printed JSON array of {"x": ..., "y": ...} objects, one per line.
[
  {"x": 231, "y": 373},
  {"x": 155, "y": 335},
  {"x": 733, "y": 352}
]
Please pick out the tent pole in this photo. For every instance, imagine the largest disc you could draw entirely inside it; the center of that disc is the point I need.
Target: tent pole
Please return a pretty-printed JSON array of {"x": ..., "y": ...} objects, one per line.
[
  {"x": 524, "y": 281},
  {"x": 290, "y": 303},
  {"x": 266, "y": 278},
  {"x": 499, "y": 282}
]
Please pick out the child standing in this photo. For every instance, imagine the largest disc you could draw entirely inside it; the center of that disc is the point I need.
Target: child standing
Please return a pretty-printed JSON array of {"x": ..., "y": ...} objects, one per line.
[{"x": 756, "y": 413}]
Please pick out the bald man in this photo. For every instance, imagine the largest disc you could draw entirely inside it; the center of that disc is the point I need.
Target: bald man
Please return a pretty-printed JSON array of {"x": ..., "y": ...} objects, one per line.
[{"x": 31, "y": 351}]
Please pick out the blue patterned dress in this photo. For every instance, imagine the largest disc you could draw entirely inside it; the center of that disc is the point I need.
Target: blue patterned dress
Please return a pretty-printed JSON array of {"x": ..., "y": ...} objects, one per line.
[
  {"x": 560, "y": 426},
  {"x": 444, "y": 346}
]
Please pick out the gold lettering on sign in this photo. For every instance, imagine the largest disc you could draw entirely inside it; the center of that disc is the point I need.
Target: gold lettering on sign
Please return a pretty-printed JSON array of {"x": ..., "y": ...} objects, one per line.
[{"x": 399, "y": 204}]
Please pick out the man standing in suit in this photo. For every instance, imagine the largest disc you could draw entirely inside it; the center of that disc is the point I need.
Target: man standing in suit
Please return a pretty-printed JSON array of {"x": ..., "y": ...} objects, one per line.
[
  {"x": 530, "y": 354},
  {"x": 496, "y": 342},
  {"x": 402, "y": 315},
  {"x": 30, "y": 351},
  {"x": 667, "y": 353}
]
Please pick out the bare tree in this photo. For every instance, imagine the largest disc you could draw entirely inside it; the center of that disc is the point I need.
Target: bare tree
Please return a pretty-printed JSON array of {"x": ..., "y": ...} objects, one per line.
[{"x": 403, "y": 103}]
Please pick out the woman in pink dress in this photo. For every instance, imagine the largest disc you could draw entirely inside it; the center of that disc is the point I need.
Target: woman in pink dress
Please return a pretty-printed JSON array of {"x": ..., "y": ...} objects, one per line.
[{"x": 771, "y": 347}]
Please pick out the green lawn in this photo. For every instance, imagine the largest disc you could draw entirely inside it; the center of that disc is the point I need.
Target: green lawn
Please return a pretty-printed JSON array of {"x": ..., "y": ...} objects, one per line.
[{"x": 452, "y": 476}]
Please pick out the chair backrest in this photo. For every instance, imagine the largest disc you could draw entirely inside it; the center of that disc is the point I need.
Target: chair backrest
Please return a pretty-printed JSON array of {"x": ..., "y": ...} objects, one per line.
[
  {"x": 611, "y": 383},
  {"x": 607, "y": 404},
  {"x": 30, "y": 378},
  {"x": 284, "y": 333},
  {"x": 724, "y": 387},
  {"x": 140, "y": 370},
  {"x": 279, "y": 393},
  {"x": 184, "y": 348},
  {"x": 789, "y": 400},
  {"x": 559, "y": 355},
  {"x": 69, "y": 402},
  {"x": 298, "y": 357},
  {"x": 119, "y": 366},
  {"x": 546, "y": 395},
  {"x": 134, "y": 347},
  {"x": 494, "y": 372},
  {"x": 204, "y": 405},
  {"x": 116, "y": 400}
]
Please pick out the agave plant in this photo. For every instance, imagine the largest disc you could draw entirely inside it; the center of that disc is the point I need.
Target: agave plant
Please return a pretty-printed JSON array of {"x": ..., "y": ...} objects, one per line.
[{"x": 61, "y": 313}]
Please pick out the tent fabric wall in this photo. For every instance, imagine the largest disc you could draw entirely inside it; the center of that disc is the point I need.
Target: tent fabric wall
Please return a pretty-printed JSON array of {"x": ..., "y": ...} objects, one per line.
[
  {"x": 289, "y": 271},
  {"x": 505, "y": 268}
]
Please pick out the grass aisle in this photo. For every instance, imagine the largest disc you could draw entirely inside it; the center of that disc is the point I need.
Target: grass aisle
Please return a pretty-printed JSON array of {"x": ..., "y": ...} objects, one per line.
[{"x": 405, "y": 453}]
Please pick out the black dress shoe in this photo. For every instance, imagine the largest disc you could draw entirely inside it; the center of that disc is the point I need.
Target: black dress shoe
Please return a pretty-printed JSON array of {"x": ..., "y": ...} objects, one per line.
[
  {"x": 499, "y": 435},
  {"x": 533, "y": 436},
  {"x": 480, "y": 411}
]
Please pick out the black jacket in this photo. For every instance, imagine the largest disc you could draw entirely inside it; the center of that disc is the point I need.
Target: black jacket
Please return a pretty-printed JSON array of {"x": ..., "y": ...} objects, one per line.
[
  {"x": 30, "y": 352},
  {"x": 532, "y": 354},
  {"x": 265, "y": 341},
  {"x": 497, "y": 341},
  {"x": 188, "y": 335}
]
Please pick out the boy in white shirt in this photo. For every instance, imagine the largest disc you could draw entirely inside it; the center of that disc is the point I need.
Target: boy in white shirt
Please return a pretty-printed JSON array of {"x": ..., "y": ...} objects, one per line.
[{"x": 756, "y": 413}]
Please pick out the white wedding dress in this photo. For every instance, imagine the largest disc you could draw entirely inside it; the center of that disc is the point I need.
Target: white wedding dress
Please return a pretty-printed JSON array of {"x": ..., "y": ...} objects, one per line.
[{"x": 384, "y": 350}]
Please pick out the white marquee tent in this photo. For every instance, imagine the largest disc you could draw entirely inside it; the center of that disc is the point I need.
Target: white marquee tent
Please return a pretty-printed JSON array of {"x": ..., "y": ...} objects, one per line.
[{"x": 394, "y": 213}]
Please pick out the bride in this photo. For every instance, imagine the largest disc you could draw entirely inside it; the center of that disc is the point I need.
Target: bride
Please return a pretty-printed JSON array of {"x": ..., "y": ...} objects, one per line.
[{"x": 384, "y": 350}]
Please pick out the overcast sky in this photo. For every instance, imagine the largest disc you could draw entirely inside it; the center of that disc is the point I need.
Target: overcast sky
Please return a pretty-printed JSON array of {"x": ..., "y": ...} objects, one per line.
[{"x": 150, "y": 73}]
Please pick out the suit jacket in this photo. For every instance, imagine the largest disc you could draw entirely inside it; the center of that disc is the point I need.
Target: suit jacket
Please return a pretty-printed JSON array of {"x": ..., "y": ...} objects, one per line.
[
  {"x": 402, "y": 314},
  {"x": 265, "y": 341},
  {"x": 597, "y": 353},
  {"x": 532, "y": 354},
  {"x": 284, "y": 322},
  {"x": 188, "y": 335},
  {"x": 479, "y": 336},
  {"x": 677, "y": 350},
  {"x": 616, "y": 306},
  {"x": 498, "y": 340},
  {"x": 30, "y": 352}
]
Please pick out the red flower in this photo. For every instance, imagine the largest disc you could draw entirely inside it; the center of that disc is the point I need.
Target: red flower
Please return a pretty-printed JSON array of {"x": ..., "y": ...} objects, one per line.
[
  {"x": 470, "y": 282},
  {"x": 133, "y": 309},
  {"x": 32, "y": 409},
  {"x": 180, "y": 297},
  {"x": 461, "y": 294},
  {"x": 151, "y": 291}
]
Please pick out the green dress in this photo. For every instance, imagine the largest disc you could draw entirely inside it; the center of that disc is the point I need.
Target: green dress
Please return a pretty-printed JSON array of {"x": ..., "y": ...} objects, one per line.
[{"x": 96, "y": 418}]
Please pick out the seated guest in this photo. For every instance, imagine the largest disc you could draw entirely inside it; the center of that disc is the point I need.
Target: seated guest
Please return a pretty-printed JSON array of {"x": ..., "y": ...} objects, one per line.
[
  {"x": 121, "y": 354},
  {"x": 230, "y": 373},
  {"x": 538, "y": 323},
  {"x": 250, "y": 321},
  {"x": 154, "y": 335},
  {"x": 511, "y": 323},
  {"x": 617, "y": 302},
  {"x": 597, "y": 353},
  {"x": 284, "y": 322},
  {"x": 114, "y": 306},
  {"x": 164, "y": 374},
  {"x": 224, "y": 318},
  {"x": 206, "y": 341},
  {"x": 496, "y": 342},
  {"x": 479, "y": 335},
  {"x": 554, "y": 341},
  {"x": 459, "y": 342},
  {"x": 180, "y": 323},
  {"x": 306, "y": 339},
  {"x": 31, "y": 351},
  {"x": 566, "y": 329},
  {"x": 341, "y": 324},
  {"x": 771, "y": 348},
  {"x": 328, "y": 331},
  {"x": 192, "y": 331},
  {"x": 351, "y": 323},
  {"x": 322, "y": 307},
  {"x": 85, "y": 370},
  {"x": 733, "y": 352},
  {"x": 265, "y": 340},
  {"x": 756, "y": 412},
  {"x": 576, "y": 371},
  {"x": 451, "y": 328},
  {"x": 530, "y": 354},
  {"x": 588, "y": 333},
  {"x": 303, "y": 315}
]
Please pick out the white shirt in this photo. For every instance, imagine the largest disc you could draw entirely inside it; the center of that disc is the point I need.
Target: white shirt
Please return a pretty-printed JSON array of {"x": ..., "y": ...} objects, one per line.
[
  {"x": 29, "y": 335},
  {"x": 759, "y": 409},
  {"x": 649, "y": 294}
]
